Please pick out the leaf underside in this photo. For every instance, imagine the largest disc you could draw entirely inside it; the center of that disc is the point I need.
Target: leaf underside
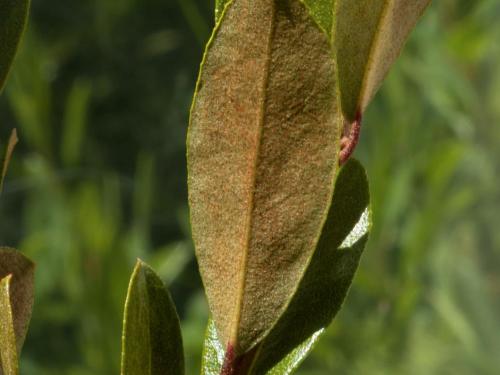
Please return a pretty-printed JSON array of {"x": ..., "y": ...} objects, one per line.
[
  {"x": 263, "y": 137},
  {"x": 151, "y": 342},
  {"x": 13, "y": 16},
  {"x": 321, "y": 291},
  {"x": 369, "y": 35}
]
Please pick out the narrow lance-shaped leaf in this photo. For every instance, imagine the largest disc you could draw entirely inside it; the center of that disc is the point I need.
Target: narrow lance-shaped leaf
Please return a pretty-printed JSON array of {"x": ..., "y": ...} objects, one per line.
[
  {"x": 262, "y": 157},
  {"x": 12, "y": 262},
  {"x": 13, "y": 16},
  {"x": 322, "y": 290},
  {"x": 8, "y": 350},
  {"x": 151, "y": 342},
  {"x": 8, "y": 155},
  {"x": 369, "y": 36}
]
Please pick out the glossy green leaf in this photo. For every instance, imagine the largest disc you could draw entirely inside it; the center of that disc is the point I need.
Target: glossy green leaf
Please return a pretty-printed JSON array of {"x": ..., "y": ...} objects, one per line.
[
  {"x": 213, "y": 351},
  {"x": 8, "y": 155},
  {"x": 262, "y": 157},
  {"x": 14, "y": 263},
  {"x": 8, "y": 350},
  {"x": 323, "y": 288},
  {"x": 151, "y": 342},
  {"x": 13, "y": 16},
  {"x": 369, "y": 36}
]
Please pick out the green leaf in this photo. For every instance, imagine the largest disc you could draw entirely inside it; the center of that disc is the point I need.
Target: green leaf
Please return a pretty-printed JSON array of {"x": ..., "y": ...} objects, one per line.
[
  {"x": 213, "y": 351},
  {"x": 151, "y": 342},
  {"x": 13, "y": 16},
  {"x": 322, "y": 12},
  {"x": 8, "y": 350},
  {"x": 262, "y": 158},
  {"x": 16, "y": 305},
  {"x": 14, "y": 263},
  {"x": 8, "y": 155},
  {"x": 369, "y": 35},
  {"x": 323, "y": 288}
]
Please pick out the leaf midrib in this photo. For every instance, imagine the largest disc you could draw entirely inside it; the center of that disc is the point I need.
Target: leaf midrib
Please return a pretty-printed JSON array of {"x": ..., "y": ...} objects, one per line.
[{"x": 253, "y": 177}]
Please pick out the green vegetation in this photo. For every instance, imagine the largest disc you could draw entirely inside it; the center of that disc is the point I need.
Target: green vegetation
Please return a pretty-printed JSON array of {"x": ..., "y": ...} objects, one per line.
[{"x": 100, "y": 95}]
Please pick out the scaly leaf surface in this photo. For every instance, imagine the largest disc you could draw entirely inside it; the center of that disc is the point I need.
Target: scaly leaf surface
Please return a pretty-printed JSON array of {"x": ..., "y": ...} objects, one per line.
[
  {"x": 151, "y": 342},
  {"x": 13, "y": 16},
  {"x": 262, "y": 157},
  {"x": 369, "y": 35}
]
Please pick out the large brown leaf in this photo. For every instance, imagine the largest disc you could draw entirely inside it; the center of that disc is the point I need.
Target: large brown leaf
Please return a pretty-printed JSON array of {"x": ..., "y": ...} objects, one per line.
[
  {"x": 262, "y": 157},
  {"x": 369, "y": 36}
]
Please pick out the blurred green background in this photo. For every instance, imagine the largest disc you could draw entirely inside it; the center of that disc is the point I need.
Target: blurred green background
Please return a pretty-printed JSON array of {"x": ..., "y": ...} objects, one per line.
[{"x": 100, "y": 95}]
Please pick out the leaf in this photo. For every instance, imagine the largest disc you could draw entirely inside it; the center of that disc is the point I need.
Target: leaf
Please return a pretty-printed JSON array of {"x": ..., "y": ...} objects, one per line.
[
  {"x": 8, "y": 155},
  {"x": 262, "y": 157},
  {"x": 14, "y": 14},
  {"x": 323, "y": 288},
  {"x": 151, "y": 342},
  {"x": 213, "y": 351},
  {"x": 22, "y": 269},
  {"x": 369, "y": 36},
  {"x": 8, "y": 351},
  {"x": 322, "y": 12}
]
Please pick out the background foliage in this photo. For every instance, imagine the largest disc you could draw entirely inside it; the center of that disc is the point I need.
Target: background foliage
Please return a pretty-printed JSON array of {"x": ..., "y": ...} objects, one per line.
[{"x": 100, "y": 94}]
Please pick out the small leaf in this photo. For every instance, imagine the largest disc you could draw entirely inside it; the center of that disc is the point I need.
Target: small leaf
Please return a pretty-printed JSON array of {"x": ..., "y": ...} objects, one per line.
[
  {"x": 151, "y": 342},
  {"x": 8, "y": 350},
  {"x": 369, "y": 36},
  {"x": 323, "y": 288},
  {"x": 13, "y": 16},
  {"x": 262, "y": 158},
  {"x": 8, "y": 155},
  {"x": 22, "y": 269}
]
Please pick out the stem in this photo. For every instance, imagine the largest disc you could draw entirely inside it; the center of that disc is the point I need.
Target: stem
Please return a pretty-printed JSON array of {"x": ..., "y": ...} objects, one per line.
[{"x": 348, "y": 142}]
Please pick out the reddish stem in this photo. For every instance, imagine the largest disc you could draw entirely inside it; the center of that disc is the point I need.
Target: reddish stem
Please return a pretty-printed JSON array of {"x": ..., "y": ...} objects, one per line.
[{"x": 348, "y": 142}]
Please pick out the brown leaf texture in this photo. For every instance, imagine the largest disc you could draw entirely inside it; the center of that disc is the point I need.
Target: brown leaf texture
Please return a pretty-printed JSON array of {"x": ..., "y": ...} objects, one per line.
[
  {"x": 262, "y": 157},
  {"x": 369, "y": 36}
]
